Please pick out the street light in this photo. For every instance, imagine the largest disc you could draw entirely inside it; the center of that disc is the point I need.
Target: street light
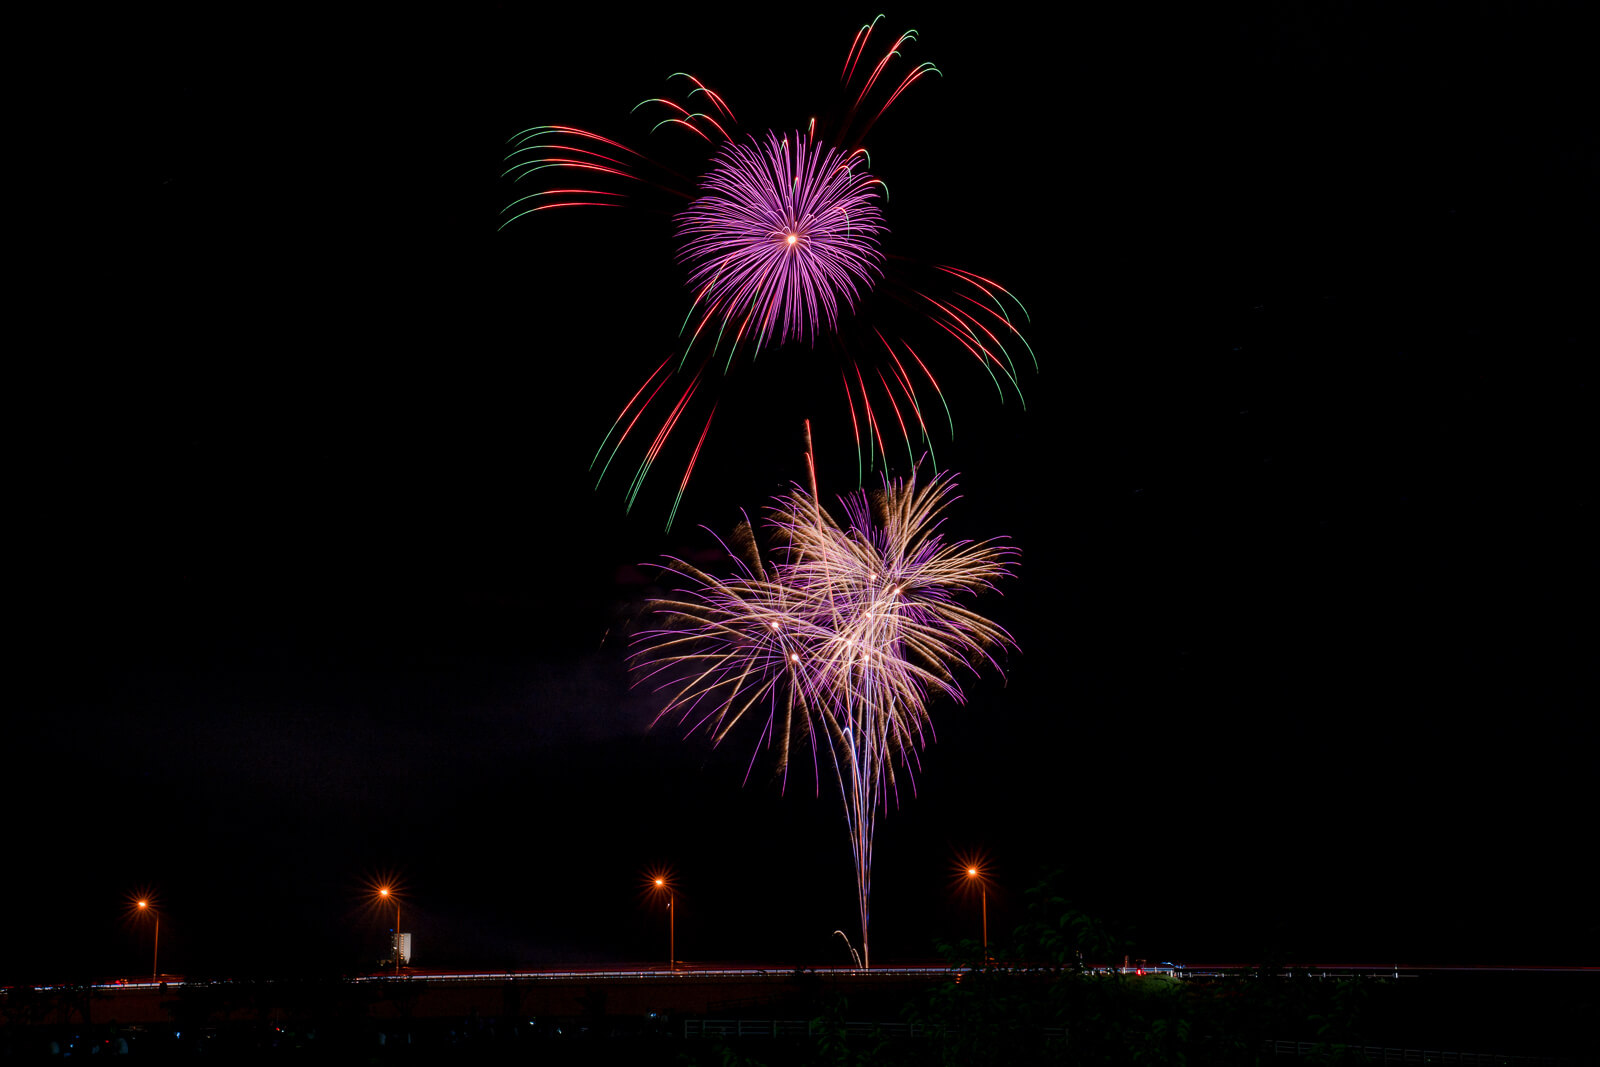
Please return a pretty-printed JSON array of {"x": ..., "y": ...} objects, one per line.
[
  {"x": 973, "y": 872},
  {"x": 155, "y": 954},
  {"x": 383, "y": 891},
  {"x": 672, "y": 925}
]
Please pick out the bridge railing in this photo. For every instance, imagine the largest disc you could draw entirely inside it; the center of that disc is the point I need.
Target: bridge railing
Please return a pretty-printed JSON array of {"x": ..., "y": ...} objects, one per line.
[
  {"x": 696, "y": 1028},
  {"x": 1407, "y": 1056},
  {"x": 1403, "y": 1057}
]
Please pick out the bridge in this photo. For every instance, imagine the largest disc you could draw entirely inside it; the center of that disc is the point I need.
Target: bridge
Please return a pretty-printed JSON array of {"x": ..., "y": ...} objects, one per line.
[{"x": 639, "y": 991}]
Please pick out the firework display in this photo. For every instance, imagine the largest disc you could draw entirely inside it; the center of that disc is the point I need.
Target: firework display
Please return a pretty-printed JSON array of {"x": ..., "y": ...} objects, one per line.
[
  {"x": 836, "y": 643},
  {"x": 837, "y": 639},
  {"x": 781, "y": 237}
]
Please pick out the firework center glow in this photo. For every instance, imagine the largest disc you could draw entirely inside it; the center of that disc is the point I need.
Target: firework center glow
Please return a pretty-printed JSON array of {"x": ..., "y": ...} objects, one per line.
[{"x": 784, "y": 236}]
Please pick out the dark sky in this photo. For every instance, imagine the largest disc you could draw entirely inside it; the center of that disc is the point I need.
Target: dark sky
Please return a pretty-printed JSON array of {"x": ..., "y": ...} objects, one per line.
[{"x": 316, "y": 584}]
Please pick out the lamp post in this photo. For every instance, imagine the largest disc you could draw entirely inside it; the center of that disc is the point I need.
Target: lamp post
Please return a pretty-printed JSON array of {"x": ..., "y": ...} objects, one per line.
[
  {"x": 983, "y": 888},
  {"x": 672, "y": 927},
  {"x": 155, "y": 953},
  {"x": 386, "y": 895}
]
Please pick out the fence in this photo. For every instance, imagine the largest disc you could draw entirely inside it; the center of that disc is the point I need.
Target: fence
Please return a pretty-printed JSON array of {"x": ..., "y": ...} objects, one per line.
[
  {"x": 811, "y": 1027},
  {"x": 777, "y": 1028},
  {"x": 1409, "y": 1056}
]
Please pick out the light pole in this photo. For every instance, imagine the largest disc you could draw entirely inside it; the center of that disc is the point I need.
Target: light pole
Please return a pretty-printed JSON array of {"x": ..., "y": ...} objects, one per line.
[
  {"x": 672, "y": 927},
  {"x": 386, "y": 895},
  {"x": 155, "y": 953},
  {"x": 983, "y": 888}
]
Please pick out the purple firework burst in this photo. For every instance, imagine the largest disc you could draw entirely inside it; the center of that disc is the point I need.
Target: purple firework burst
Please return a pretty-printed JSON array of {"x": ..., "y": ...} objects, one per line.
[
  {"x": 781, "y": 240},
  {"x": 782, "y": 234}
]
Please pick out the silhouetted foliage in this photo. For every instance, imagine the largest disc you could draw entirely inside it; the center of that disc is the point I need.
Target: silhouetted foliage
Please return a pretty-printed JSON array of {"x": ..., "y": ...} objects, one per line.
[{"x": 1046, "y": 995}]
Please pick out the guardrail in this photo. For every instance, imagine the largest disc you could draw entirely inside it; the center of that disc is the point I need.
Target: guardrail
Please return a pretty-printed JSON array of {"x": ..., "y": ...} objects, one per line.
[
  {"x": 682, "y": 974},
  {"x": 780, "y": 1028},
  {"x": 1374, "y": 1054},
  {"x": 697, "y": 1028},
  {"x": 723, "y": 970}
]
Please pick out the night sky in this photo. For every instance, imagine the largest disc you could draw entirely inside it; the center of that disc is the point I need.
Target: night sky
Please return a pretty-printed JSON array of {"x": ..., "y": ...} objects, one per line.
[{"x": 316, "y": 585}]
